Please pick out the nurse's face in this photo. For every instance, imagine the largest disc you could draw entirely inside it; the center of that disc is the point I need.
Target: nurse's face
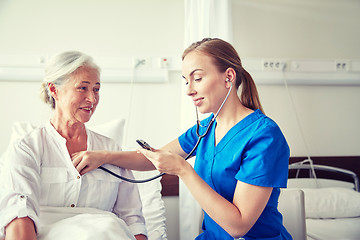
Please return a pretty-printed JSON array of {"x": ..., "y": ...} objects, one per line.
[
  {"x": 205, "y": 84},
  {"x": 78, "y": 98}
]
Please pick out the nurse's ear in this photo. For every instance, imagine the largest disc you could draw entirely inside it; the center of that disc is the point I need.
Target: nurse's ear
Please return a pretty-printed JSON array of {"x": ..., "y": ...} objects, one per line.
[{"x": 230, "y": 77}]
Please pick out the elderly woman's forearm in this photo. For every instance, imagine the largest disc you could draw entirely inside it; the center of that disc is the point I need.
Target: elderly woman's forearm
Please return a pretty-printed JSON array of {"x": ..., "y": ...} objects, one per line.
[{"x": 20, "y": 229}]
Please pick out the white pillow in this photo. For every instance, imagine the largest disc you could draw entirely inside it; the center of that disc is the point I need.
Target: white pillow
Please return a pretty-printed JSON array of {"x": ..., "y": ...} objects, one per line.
[
  {"x": 331, "y": 203},
  {"x": 113, "y": 129},
  {"x": 19, "y": 129},
  {"x": 150, "y": 193}
]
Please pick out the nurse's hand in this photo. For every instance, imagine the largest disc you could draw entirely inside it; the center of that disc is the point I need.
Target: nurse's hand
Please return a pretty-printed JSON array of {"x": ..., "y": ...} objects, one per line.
[
  {"x": 166, "y": 162},
  {"x": 85, "y": 161}
]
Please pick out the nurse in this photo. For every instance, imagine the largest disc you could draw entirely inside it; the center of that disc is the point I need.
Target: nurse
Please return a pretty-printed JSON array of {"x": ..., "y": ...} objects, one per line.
[{"x": 242, "y": 162}]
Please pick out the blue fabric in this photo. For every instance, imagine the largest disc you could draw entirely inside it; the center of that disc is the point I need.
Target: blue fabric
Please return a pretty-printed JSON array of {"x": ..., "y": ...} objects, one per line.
[{"x": 254, "y": 151}]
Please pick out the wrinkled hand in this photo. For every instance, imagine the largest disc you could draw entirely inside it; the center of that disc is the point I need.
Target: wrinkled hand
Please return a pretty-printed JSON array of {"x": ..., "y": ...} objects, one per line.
[
  {"x": 165, "y": 161},
  {"x": 85, "y": 161}
]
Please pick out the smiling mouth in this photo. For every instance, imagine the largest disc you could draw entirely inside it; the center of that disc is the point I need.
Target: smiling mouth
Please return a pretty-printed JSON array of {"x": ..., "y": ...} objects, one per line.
[
  {"x": 198, "y": 101},
  {"x": 86, "y": 108}
]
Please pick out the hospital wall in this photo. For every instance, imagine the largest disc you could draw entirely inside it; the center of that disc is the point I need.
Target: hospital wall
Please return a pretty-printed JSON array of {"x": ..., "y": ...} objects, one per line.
[
  {"x": 306, "y": 30},
  {"x": 325, "y": 29}
]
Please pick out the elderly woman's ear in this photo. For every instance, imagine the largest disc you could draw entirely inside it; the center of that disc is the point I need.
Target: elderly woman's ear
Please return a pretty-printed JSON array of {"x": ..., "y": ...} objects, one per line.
[{"x": 53, "y": 90}]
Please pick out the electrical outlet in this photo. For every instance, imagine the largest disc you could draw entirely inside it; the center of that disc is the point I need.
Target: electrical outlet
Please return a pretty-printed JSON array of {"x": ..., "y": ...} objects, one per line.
[
  {"x": 273, "y": 65},
  {"x": 142, "y": 63},
  {"x": 164, "y": 62},
  {"x": 342, "y": 66}
]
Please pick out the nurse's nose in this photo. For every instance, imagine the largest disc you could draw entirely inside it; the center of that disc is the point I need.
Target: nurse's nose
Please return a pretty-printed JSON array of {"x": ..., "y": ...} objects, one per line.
[{"x": 190, "y": 91}]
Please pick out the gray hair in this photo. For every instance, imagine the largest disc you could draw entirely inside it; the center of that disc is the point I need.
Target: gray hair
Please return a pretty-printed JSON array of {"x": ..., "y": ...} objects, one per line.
[{"x": 59, "y": 68}]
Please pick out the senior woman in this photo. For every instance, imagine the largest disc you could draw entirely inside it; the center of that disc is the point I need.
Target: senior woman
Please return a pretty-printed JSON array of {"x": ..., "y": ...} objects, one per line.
[{"x": 38, "y": 170}]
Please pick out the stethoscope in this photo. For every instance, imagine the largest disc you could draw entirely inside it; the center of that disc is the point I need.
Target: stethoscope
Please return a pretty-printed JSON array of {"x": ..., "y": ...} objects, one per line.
[{"x": 200, "y": 136}]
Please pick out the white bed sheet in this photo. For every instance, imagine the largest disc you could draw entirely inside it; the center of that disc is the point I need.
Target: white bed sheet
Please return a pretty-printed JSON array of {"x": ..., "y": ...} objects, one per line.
[{"x": 57, "y": 223}]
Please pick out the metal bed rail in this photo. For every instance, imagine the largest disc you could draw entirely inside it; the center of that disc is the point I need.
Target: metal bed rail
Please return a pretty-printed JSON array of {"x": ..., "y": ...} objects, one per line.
[{"x": 313, "y": 167}]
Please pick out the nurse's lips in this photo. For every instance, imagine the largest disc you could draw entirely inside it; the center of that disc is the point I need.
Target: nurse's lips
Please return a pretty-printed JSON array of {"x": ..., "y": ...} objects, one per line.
[{"x": 198, "y": 101}]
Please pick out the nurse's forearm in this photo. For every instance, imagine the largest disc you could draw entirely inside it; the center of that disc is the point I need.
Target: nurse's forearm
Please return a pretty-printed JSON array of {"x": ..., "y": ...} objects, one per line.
[
  {"x": 134, "y": 161},
  {"x": 223, "y": 212},
  {"x": 130, "y": 160}
]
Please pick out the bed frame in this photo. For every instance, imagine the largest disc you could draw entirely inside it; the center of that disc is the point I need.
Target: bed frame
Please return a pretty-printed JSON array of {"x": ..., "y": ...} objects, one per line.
[
  {"x": 170, "y": 183},
  {"x": 343, "y": 168}
]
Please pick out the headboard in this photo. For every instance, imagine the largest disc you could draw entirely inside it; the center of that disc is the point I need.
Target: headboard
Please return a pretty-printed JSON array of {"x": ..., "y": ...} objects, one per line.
[
  {"x": 351, "y": 163},
  {"x": 170, "y": 183}
]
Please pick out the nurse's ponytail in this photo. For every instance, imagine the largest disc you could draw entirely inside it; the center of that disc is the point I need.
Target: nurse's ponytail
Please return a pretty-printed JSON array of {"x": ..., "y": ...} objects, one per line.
[
  {"x": 225, "y": 56},
  {"x": 249, "y": 96}
]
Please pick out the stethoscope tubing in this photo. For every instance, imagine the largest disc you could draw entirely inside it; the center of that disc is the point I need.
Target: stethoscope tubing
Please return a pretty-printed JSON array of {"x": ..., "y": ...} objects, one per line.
[{"x": 129, "y": 179}]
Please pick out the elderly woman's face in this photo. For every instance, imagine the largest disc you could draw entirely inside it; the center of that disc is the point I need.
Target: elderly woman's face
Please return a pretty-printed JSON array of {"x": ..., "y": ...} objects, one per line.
[{"x": 78, "y": 97}]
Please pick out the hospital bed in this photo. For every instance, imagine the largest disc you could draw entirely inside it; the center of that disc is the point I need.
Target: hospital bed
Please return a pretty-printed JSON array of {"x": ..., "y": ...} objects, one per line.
[
  {"x": 331, "y": 195},
  {"x": 59, "y": 223},
  {"x": 322, "y": 200}
]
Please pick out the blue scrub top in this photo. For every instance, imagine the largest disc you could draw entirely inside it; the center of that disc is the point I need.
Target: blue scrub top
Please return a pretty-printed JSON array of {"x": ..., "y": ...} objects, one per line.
[{"x": 254, "y": 151}]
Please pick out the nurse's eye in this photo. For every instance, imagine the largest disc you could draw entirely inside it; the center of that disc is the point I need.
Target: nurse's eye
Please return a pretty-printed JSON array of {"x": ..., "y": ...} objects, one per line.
[
  {"x": 198, "y": 79},
  {"x": 96, "y": 90}
]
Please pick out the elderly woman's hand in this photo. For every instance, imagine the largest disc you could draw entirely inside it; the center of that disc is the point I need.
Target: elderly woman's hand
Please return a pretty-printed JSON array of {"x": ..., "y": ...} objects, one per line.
[{"x": 85, "y": 161}]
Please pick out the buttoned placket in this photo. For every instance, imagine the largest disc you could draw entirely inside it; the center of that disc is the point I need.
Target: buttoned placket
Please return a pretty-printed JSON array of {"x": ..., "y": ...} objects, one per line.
[
  {"x": 77, "y": 184},
  {"x": 75, "y": 177}
]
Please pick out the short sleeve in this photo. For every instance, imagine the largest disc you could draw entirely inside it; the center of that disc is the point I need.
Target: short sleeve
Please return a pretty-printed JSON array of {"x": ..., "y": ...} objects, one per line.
[
  {"x": 188, "y": 139},
  {"x": 266, "y": 159}
]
